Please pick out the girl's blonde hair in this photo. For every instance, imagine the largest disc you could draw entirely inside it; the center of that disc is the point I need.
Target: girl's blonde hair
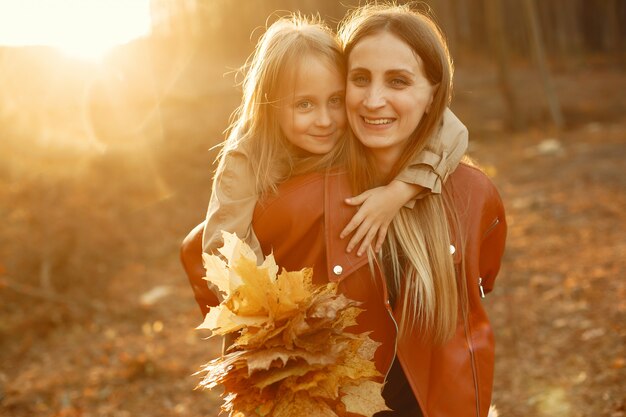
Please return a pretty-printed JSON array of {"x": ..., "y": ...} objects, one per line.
[
  {"x": 254, "y": 124},
  {"x": 416, "y": 256}
]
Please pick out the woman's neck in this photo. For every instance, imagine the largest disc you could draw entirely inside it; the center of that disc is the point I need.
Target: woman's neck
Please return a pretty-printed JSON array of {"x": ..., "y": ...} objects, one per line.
[{"x": 384, "y": 160}]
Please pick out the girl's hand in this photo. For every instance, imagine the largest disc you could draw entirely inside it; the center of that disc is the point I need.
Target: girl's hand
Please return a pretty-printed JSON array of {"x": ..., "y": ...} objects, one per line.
[{"x": 378, "y": 207}]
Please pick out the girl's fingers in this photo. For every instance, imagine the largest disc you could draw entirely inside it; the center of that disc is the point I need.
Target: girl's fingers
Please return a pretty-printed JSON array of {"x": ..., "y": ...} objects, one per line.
[
  {"x": 358, "y": 199},
  {"x": 358, "y": 236},
  {"x": 382, "y": 232},
  {"x": 366, "y": 241},
  {"x": 357, "y": 219}
]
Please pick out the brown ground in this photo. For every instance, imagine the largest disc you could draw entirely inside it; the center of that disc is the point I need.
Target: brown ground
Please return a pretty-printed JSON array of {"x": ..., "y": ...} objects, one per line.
[{"x": 98, "y": 346}]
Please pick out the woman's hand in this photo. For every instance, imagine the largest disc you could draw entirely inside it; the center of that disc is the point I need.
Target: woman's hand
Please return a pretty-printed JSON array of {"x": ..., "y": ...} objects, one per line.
[{"x": 378, "y": 207}]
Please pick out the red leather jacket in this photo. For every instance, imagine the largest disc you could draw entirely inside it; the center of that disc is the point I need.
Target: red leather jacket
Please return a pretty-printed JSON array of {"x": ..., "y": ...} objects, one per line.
[{"x": 301, "y": 225}]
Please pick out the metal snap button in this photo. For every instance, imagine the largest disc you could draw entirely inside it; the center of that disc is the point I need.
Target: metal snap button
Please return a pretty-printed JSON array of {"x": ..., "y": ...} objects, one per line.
[
  {"x": 452, "y": 249},
  {"x": 337, "y": 269}
]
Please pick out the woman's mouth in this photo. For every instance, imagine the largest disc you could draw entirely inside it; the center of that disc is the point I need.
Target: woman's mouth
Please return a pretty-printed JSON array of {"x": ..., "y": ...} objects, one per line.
[{"x": 377, "y": 121}]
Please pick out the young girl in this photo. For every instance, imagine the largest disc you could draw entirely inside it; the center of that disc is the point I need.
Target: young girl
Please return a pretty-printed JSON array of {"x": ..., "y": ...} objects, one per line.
[{"x": 292, "y": 121}]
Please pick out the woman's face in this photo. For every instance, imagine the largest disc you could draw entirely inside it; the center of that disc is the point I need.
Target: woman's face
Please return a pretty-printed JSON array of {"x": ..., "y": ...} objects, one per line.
[
  {"x": 311, "y": 114},
  {"x": 386, "y": 94}
]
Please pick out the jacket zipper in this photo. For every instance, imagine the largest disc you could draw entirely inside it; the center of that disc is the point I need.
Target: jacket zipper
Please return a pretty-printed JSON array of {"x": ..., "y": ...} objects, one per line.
[
  {"x": 473, "y": 362},
  {"x": 381, "y": 277},
  {"x": 491, "y": 227},
  {"x": 493, "y": 224},
  {"x": 395, "y": 342}
]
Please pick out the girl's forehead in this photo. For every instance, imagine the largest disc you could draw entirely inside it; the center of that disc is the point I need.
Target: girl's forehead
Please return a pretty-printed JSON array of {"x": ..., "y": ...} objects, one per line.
[
  {"x": 313, "y": 76},
  {"x": 310, "y": 66},
  {"x": 319, "y": 59}
]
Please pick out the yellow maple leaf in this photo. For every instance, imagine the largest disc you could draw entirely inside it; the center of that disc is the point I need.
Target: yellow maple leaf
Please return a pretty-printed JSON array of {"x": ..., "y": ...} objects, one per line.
[
  {"x": 263, "y": 359},
  {"x": 309, "y": 382},
  {"x": 294, "y": 290},
  {"x": 256, "y": 337},
  {"x": 221, "y": 321},
  {"x": 355, "y": 367},
  {"x": 316, "y": 340},
  {"x": 235, "y": 249},
  {"x": 270, "y": 265},
  {"x": 263, "y": 379},
  {"x": 218, "y": 368},
  {"x": 330, "y": 307},
  {"x": 348, "y": 317},
  {"x": 326, "y": 385},
  {"x": 368, "y": 347},
  {"x": 364, "y": 399},
  {"x": 257, "y": 295},
  {"x": 301, "y": 404},
  {"x": 217, "y": 274}
]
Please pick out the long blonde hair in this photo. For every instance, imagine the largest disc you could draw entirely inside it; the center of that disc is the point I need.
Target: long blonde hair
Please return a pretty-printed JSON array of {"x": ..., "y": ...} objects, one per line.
[
  {"x": 254, "y": 124},
  {"x": 419, "y": 267}
]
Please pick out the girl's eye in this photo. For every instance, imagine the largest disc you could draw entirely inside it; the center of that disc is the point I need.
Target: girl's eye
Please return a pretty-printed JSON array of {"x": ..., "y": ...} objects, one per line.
[
  {"x": 304, "y": 105},
  {"x": 336, "y": 101}
]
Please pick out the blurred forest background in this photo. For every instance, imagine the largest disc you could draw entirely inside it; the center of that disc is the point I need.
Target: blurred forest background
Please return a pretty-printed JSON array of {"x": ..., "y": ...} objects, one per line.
[{"x": 106, "y": 165}]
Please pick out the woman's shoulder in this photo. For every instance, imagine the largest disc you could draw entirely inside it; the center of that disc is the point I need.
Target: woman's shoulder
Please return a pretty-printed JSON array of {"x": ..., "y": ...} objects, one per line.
[
  {"x": 473, "y": 189},
  {"x": 468, "y": 173}
]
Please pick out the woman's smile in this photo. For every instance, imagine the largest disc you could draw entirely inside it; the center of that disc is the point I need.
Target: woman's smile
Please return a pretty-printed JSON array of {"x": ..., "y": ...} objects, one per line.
[
  {"x": 377, "y": 122},
  {"x": 386, "y": 95}
]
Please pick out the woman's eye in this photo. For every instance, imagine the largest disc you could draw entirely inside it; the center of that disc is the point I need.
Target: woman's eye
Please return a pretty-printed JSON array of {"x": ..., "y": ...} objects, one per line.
[
  {"x": 359, "y": 80},
  {"x": 398, "y": 82}
]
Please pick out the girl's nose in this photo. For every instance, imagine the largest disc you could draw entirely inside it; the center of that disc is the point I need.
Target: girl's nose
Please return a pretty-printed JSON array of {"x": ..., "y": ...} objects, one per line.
[{"x": 323, "y": 117}]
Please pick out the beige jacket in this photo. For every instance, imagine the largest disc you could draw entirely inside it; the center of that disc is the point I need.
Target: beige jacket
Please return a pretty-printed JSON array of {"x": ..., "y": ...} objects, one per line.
[{"x": 234, "y": 196}]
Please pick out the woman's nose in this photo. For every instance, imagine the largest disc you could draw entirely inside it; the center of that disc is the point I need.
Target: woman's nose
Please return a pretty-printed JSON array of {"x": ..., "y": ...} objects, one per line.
[{"x": 374, "y": 98}]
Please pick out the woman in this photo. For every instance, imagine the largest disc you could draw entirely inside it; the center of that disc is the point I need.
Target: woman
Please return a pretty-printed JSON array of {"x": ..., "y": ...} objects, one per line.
[
  {"x": 399, "y": 72},
  {"x": 421, "y": 303}
]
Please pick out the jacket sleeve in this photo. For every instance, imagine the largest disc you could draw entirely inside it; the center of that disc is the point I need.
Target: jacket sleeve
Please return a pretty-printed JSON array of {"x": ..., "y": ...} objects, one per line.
[
  {"x": 493, "y": 240},
  {"x": 191, "y": 258},
  {"x": 230, "y": 208},
  {"x": 232, "y": 203},
  {"x": 440, "y": 157}
]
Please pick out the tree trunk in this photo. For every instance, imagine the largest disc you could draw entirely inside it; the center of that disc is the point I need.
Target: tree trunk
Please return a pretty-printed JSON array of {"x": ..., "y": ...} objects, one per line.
[
  {"x": 464, "y": 20},
  {"x": 448, "y": 24},
  {"x": 611, "y": 32},
  {"x": 538, "y": 51},
  {"x": 499, "y": 47}
]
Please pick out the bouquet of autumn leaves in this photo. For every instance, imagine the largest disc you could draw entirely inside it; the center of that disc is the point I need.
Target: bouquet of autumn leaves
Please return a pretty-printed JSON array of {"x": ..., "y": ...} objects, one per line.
[{"x": 290, "y": 355}]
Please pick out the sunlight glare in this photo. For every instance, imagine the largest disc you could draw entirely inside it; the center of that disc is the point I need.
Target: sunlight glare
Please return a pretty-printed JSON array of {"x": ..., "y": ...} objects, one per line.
[{"x": 82, "y": 28}]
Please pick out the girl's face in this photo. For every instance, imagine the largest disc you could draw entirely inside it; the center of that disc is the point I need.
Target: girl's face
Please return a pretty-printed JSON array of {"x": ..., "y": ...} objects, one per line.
[
  {"x": 311, "y": 113},
  {"x": 386, "y": 94}
]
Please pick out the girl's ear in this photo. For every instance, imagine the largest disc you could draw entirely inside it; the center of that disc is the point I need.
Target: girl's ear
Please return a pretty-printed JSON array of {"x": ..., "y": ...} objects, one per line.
[{"x": 432, "y": 96}]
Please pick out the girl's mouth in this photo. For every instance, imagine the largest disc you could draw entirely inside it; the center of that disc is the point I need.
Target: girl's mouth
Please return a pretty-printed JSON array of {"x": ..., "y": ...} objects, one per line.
[{"x": 324, "y": 136}]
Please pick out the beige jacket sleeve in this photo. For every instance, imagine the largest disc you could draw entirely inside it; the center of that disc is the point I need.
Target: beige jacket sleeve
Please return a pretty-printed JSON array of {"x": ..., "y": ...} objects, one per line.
[
  {"x": 232, "y": 203},
  {"x": 443, "y": 152}
]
